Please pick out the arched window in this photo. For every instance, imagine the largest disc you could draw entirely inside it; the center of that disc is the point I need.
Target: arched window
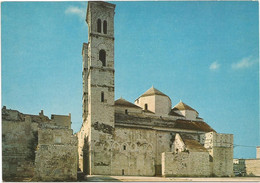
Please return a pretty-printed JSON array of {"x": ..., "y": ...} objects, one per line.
[
  {"x": 102, "y": 57},
  {"x": 99, "y": 25},
  {"x": 146, "y": 106},
  {"x": 105, "y": 27},
  {"x": 102, "y": 97}
]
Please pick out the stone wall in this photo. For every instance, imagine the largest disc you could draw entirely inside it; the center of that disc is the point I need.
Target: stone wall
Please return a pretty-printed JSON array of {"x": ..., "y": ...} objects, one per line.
[
  {"x": 24, "y": 134},
  {"x": 252, "y": 167},
  {"x": 19, "y": 140},
  {"x": 220, "y": 147},
  {"x": 185, "y": 164},
  {"x": 61, "y": 120},
  {"x": 17, "y": 158},
  {"x": 133, "y": 152},
  {"x": 56, "y": 157}
]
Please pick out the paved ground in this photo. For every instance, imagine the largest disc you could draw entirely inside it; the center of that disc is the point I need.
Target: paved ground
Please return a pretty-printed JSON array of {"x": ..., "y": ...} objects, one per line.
[{"x": 100, "y": 178}]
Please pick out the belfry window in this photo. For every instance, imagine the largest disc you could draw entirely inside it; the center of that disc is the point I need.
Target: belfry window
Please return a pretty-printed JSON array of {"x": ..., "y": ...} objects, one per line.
[
  {"x": 105, "y": 27},
  {"x": 102, "y": 57},
  {"x": 146, "y": 106},
  {"x": 102, "y": 97},
  {"x": 99, "y": 25}
]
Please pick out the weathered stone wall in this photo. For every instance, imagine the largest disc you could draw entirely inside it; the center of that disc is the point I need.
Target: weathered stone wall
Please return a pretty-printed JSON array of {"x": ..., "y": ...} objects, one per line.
[
  {"x": 252, "y": 167},
  {"x": 61, "y": 120},
  {"x": 133, "y": 152},
  {"x": 185, "y": 164},
  {"x": 220, "y": 147},
  {"x": 56, "y": 157},
  {"x": 19, "y": 140},
  {"x": 17, "y": 158}
]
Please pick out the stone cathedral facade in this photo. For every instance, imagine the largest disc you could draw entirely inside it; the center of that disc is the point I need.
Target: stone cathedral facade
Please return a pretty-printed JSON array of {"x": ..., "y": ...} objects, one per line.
[{"x": 148, "y": 137}]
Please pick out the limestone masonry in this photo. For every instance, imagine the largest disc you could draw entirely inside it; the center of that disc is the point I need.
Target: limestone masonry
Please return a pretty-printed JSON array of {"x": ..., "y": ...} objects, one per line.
[
  {"x": 39, "y": 147},
  {"x": 146, "y": 138}
]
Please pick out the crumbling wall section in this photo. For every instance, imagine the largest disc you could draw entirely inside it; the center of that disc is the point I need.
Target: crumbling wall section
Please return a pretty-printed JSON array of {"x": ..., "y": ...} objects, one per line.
[
  {"x": 56, "y": 157},
  {"x": 19, "y": 141}
]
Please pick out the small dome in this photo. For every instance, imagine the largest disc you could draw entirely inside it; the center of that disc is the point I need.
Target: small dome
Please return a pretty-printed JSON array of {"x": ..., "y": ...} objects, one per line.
[
  {"x": 155, "y": 101},
  {"x": 152, "y": 91},
  {"x": 182, "y": 106}
]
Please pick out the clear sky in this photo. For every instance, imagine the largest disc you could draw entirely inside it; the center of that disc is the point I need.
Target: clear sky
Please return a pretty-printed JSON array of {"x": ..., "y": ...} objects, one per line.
[{"x": 204, "y": 53}]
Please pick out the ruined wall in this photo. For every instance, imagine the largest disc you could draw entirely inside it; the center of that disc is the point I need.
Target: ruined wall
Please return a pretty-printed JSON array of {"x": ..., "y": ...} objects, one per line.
[
  {"x": 185, "y": 164},
  {"x": 56, "y": 157},
  {"x": 252, "y": 167},
  {"x": 61, "y": 120},
  {"x": 19, "y": 141},
  {"x": 17, "y": 149}
]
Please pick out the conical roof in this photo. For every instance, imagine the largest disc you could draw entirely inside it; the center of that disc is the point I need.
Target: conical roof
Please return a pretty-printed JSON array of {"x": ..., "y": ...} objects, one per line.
[
  {"x": 123, "y": 102},
  {"x": 182, "y": 106},
  {"x": 152, "y": 91}
]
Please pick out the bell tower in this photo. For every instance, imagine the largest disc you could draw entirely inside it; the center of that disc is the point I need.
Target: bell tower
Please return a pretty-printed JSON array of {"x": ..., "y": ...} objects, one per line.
[{"x": 98, "y": 86}]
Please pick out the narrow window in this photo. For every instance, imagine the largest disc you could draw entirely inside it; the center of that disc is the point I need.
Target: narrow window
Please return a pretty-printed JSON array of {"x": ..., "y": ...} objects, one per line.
[
  {"x": 126, "y": 111},
  {"x": 146, "y": 106},
  {"x": 123, "y": 172},
  {"x": 102, "y": 57},
  {"x": 124, "y": 147},
  {"x": 102, "y": 97},
  {"x": 105, "y": 27},
  {"x": 99, "y": 25}
]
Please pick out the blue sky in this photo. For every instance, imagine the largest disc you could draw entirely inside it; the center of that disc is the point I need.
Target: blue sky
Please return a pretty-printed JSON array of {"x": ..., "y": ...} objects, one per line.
[{"x": 204, "y": 53}]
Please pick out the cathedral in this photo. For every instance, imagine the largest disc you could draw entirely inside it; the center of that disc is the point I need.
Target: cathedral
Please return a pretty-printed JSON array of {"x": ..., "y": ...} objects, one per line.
[{"x": 148, "y": 137}]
